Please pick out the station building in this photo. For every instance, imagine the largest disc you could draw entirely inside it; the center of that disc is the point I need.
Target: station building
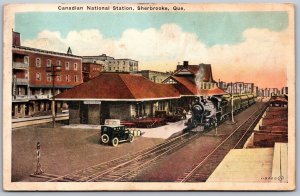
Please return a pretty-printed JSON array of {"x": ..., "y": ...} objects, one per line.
[
  {"x": 119, "y": 96},
  {"x": 128, "y": 96},
  {"x": 32, "y": 80}
]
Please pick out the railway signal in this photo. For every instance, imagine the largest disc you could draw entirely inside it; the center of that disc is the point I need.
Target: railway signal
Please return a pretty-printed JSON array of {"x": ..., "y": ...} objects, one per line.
[{"x": 38, "y": 170}]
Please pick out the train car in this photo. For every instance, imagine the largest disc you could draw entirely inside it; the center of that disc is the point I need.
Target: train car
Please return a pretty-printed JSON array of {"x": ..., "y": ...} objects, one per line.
[
  {"x": 244, "y": 101},
  {"x": 251, "y": 99},
  {"x": 236, "y": 103}
]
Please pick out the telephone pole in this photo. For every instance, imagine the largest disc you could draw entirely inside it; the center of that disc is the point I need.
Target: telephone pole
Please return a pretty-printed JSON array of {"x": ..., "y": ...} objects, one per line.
[
  {"x": 232, "y": 119},
  {"x": 54, "y": 69}
]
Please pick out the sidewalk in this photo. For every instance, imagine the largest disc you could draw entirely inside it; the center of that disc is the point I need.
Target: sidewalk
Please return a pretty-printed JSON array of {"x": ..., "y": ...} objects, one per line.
[
  {"x": 15, "y": 120},
  {"x": 82, "y": 126},
  {"x": 166, "y": 131},
  {"x": 163, "y": 132}
]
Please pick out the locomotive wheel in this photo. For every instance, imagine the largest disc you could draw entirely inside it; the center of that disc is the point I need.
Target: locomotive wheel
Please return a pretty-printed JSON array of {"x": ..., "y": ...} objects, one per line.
[
  {"x": 104, "y": 138},
  {"x": 131, "y": 138},
  {"x": 115, "y": 142}
]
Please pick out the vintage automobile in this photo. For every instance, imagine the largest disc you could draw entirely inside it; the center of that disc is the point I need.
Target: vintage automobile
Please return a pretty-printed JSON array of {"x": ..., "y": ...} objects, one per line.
[{"x": 114, "y": 134}]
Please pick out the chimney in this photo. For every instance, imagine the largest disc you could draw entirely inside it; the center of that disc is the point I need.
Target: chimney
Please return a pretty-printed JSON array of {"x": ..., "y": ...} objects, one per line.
[
  {"x": 185, "y": 64},
  {"x": 16, "y": 39}
]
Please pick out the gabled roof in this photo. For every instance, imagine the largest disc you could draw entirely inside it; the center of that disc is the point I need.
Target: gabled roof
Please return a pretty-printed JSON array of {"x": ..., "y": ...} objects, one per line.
[
  {"x": 120, "y": 87},
  {"x": 203, "y": 71},
  {"x": 185, "y": 86},
  {"x": 189, "y": 87}
]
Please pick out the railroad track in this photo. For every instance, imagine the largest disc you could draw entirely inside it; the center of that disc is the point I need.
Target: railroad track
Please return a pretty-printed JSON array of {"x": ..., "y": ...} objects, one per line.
[
  {"x": 201, "y": 171},
  {"x": 126, "y": 167}
]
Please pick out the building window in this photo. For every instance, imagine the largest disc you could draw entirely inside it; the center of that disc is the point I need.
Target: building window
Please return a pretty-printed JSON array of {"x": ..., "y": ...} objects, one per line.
[
  {"x": 68, "y": 78},
  {"x": 38, "y": 62},
  {"x": 48, "y": 62},
  {"x": 38, "y": 76},
  {"x": 76, "y": 78},
  {"x": 26, "y": 59},
  {"x": 123, "y": 62},
  {"x": 19, "y": 109},
  {"x": 75, "y": 66},
  {"x": 48, "y": 77},
  {"x": 67, "y": 65},
  {"x": 58, "y": 63},
  {"x": 58, "y": 78}
]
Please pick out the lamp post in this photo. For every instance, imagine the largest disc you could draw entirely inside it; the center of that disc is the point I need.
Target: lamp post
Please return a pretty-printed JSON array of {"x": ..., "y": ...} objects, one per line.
[{"x": 53, "y": 69}]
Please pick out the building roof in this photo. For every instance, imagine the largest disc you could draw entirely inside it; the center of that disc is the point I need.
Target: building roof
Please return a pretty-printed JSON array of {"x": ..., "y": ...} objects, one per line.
[
  {"x": 189, "y": 87},
  {"x": 120, "y": 87},
  {"x": 278, "y": 99},
  {"x": 202, "y": 71},
  {"x": 28, "y": 49}
]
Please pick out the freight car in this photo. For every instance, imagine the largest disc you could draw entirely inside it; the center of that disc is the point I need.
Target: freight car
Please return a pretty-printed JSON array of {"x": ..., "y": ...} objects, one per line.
[{"x": 213, "y": 110}]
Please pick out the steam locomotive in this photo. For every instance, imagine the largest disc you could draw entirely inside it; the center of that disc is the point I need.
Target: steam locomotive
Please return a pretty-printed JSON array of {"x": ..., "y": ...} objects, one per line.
[{"x": 208, "y": 112}]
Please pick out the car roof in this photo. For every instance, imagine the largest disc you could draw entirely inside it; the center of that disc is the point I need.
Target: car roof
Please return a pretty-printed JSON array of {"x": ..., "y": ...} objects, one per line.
[{"x": 113, "y": 126}]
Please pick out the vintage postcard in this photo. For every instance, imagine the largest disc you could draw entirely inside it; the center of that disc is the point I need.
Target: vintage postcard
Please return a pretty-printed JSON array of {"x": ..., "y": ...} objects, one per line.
[{"x": 137, "y": 97}]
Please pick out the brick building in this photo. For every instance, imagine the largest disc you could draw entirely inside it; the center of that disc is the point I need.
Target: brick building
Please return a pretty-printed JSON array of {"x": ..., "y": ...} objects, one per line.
[
  {"x": 32, "y": 80},
  {"x": 91, "y": 70}
]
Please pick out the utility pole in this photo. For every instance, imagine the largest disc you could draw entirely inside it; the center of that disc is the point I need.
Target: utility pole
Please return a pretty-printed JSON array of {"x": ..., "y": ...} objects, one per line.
[
  {"x": 54, "y": 69},
  {"x": 232, "y": 119}
]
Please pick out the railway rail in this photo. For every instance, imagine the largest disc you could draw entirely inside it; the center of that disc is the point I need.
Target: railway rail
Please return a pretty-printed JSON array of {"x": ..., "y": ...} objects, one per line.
[
  {"x": 126, "y": 167},
  {"x": 201, "y": 171}
]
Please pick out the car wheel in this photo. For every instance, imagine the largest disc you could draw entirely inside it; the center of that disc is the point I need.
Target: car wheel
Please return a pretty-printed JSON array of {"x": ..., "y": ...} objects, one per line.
[
  {"x": 131, "y": 138},
  {"x": 115, "y": 142},
  {"x": 104, "y": 139}
]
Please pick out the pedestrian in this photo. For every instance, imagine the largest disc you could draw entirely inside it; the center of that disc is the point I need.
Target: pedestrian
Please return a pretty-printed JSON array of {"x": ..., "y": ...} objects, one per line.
[{"x": 184, "y": 114}]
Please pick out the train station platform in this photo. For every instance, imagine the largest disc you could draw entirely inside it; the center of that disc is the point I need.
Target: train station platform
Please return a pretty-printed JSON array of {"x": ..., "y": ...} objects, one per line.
[
  {"x": 253, "y": 165},
  {"x": 162, "y": 132},
  {"x": 28, "y": 121},
  {"x": 166, "y": 131}
]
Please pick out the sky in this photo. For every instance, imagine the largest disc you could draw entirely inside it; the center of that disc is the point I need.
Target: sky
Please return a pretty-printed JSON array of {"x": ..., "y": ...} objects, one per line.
[{"x": 240, "y": 46}]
